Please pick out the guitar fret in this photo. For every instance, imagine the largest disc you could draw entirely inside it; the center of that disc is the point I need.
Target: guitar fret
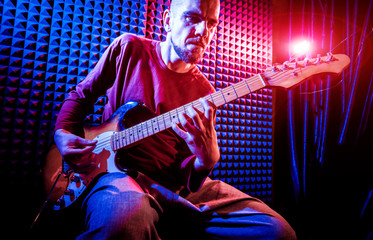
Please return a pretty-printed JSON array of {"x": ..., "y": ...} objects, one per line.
[
  {"x": 125, "y": 135},
  {"x": 234, "y": 90},
  {"x": 159, "y": 123},
  {"x": 143, "y": 132},
  {"x": 147, "y": 128},
  {"x": 118, "y": 141},
  {"x": 151, "y": 125},
  {"x": 222, "y": 94},
  {"x": 217, "y": 99},
  {"x": 212, "y": 100},
  {"x": 199, "y": 106},
  {"x": 241, "y": 89},
  {"x": 167, "y": 119},
  {"x": 131, "y": 139},
  {"x": 154, "y": 127},
  {"x": 248, "y": 88},
  {"x": 262, "y": 79},
  {"x": 117, "y": 144},
  {"x": 160, "y": 120},
  {"x": 177, "y": 114},
  {"x": 170, "y": 116},
  {"x": 137, "y": 132},
  {"x": 227, "y": 92},
  {"x": 122, "y": 138},
  {"x": 113, "y": 141},
  {"x": 133, "y": 134},
  {"x": 157, "y": 128},
  {"x": 128, "y": 138},
  {"x": 173, "y": 115}
]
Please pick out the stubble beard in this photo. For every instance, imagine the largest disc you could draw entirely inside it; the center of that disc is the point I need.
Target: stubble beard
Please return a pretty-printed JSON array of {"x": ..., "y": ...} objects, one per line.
[{"x": 186, "y": 55}]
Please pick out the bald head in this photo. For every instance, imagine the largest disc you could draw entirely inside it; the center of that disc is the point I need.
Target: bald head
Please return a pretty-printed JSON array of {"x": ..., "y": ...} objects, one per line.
[{"x": 177, "y": 4}]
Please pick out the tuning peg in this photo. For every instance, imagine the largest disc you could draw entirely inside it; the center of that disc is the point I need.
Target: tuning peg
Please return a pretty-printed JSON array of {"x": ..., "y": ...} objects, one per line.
[
  {"x": 296, "y": 65},
  {"x": 285, "y": 66},
  {"x": 273, "y": 68},
  {"x": 306, "y": 61},
  {"x": 330, "y": 57},
  {"x": 318, "y": 59}
]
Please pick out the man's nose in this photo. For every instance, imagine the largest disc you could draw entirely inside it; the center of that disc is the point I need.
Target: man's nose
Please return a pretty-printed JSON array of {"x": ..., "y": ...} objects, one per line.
[{"x": 201, "y": 29}]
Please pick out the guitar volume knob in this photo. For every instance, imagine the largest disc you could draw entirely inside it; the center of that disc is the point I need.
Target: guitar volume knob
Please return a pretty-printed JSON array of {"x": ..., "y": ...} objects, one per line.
[
  {"x": 69, "y": 192},
  {"x": 75, "y": 179},
  {"x": 59, "y": 204}
]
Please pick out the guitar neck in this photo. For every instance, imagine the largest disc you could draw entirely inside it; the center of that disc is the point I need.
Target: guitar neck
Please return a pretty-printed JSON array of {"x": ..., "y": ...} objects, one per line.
[{"x": 164, "y": 121}]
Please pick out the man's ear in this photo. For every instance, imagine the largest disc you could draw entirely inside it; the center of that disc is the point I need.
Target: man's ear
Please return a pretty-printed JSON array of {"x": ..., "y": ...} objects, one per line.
[{"x": 167, "y": 20}]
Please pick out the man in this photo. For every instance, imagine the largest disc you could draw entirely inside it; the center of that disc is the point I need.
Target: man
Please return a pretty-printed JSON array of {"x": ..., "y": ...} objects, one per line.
[{"x": 166, "y": 192}]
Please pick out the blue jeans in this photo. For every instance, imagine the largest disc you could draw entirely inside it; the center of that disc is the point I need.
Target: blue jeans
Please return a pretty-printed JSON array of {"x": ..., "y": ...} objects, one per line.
[{"x": 124, "y": 207}]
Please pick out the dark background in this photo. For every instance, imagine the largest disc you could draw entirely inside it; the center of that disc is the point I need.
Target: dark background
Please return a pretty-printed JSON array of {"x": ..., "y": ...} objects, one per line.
[{"x": 331, "y": 120}]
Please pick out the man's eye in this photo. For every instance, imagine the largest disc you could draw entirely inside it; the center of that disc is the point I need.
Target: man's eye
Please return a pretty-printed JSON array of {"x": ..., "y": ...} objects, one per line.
[
  {"x": 191, "y": 19},
  {"x": 212, "y": 25}
]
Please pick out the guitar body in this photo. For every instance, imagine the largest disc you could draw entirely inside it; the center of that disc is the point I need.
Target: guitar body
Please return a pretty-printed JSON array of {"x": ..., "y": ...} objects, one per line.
[{"x": 68, "y": 184}]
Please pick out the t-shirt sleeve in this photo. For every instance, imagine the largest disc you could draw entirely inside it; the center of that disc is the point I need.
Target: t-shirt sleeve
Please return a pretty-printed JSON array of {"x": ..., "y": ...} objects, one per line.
[
  {"x": 80, "y": 101},
  {"x": 191, "y": 179}
]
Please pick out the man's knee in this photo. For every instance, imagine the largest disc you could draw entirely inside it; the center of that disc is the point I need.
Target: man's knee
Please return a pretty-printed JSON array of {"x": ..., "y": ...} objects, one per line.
[
  {"x": 136, "y": 216},
  {"x": 282, "y": 230},
  {"x": 122, "y": 214}
]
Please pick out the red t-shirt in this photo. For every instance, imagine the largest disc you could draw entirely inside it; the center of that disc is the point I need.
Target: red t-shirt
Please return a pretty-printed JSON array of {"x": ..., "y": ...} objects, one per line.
[{"x": 131, "y": 69}]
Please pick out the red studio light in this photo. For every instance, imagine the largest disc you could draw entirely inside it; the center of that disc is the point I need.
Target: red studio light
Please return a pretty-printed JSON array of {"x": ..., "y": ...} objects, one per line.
[{"x": 301, "y": 48}]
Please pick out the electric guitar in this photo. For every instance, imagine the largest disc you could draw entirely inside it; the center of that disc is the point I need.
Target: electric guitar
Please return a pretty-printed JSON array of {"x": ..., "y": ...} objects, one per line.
[{"x": 65, "y": 184}]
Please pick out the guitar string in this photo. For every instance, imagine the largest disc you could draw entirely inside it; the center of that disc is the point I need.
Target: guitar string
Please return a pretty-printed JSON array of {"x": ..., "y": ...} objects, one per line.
[
  {"x": 252, "y": 82},
  {"x": 106, "y": 141}
]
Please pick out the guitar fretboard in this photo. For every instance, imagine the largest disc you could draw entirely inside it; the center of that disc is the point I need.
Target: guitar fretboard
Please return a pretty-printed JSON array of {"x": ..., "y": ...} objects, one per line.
[{"x": 164, "y": 121}]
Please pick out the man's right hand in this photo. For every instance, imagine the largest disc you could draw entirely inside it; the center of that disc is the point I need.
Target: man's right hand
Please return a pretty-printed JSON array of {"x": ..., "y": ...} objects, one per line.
[{"x": 73, "y": 148}]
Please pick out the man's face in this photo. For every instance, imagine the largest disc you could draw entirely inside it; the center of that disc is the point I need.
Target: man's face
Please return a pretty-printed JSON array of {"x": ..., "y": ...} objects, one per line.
[{"x": 193, "y": 24}]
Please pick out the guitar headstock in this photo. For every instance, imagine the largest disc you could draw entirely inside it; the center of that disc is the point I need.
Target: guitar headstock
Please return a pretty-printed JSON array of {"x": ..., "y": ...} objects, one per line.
[{"x": 293, "y": 73}]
